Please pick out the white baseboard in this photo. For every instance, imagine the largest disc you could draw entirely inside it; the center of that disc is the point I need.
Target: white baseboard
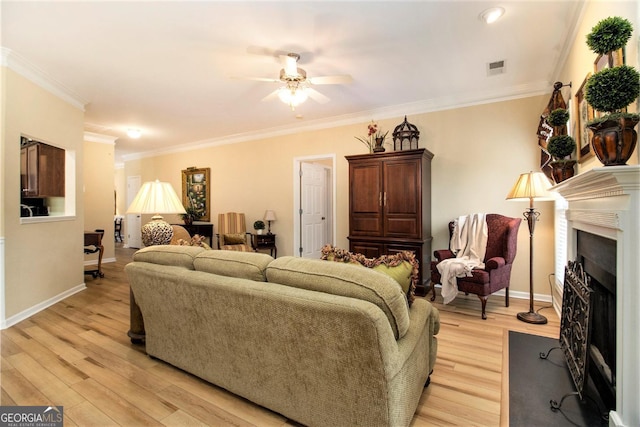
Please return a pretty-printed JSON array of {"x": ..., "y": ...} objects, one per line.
[
  {"x": 25, "y": 314},
  {"x": 95, "y": 261},
  {"x": 520, "y": 295}
]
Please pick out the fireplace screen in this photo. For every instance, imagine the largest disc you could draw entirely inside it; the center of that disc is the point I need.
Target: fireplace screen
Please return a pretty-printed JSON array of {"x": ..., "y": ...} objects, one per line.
[{"x": 574, "y": 326}]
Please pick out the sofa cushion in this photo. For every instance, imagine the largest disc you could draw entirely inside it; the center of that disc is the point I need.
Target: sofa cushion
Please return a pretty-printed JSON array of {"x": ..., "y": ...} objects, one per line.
[
  {"x": 401, "y": 266},
  {"x": 234, "y": 239},
  {"x": 245, "y": 265},
  {"x": 180, "y": 256},
  {"x": 346, "y": 280}
]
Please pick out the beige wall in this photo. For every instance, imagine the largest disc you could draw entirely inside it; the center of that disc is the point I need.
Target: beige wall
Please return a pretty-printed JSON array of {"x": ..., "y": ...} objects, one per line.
[
  {"x": 42, "y": 260},
  {"x": 99, "y": 196},
  {"x": 479, "y": 153}
]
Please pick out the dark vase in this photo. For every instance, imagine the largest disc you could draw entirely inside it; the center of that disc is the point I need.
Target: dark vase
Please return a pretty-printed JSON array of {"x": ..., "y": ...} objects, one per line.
[
  {"x": 562, "y": 169},
  {"x": 379, "y": 148},
  {"x": 187, "y": 220},
  {"x": 613, "y": 141}
]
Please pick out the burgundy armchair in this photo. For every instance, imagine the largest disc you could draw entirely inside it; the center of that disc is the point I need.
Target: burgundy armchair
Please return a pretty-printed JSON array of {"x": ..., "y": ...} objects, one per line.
[{"x": 502, "y": 242}]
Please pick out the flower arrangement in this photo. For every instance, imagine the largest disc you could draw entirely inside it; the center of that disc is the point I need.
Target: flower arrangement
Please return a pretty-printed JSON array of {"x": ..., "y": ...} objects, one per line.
[{"x": 373, "y": 135}]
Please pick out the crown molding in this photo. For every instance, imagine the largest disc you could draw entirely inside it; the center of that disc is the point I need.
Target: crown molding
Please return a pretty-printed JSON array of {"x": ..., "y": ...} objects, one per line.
[
  {"x": 20, "y": 65},
  {"x": 401, "y": 110},
  {"x": 99, "y": 138}
]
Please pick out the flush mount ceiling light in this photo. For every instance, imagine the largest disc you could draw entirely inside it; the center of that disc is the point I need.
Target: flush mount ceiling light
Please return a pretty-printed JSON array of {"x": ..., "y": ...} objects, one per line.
[
  {"x": 491, "y": 15},
  {"x": 134, "y": 133}
]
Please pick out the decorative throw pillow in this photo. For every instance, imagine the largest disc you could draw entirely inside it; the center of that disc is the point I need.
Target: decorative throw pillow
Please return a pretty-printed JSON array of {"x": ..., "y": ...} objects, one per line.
[
  {"x": 402, "y": 266},
  {"x": 234, "y": 239},
  {"x": 196, "y": 240}
]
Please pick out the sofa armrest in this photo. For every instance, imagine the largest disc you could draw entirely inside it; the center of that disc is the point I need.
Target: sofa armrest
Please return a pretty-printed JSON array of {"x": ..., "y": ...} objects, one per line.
[
  {"x": 443, "y": 254},
  {"x": 425, "y": 324},
  {"x": 495, "y": 262}
]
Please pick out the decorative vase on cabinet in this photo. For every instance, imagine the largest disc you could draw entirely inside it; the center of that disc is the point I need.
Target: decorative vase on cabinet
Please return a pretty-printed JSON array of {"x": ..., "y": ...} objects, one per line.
[{"x": 390, "y": 206}]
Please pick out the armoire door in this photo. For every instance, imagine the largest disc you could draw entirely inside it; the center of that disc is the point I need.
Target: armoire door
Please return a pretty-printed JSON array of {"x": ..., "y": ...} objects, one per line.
[
  {"x": 365, "y": 198},
  {"x": 402, "y": 198}
]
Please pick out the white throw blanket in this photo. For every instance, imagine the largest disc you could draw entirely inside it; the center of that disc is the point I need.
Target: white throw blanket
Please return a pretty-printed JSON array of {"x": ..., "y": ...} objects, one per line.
[{"x": 469, "y": 244}]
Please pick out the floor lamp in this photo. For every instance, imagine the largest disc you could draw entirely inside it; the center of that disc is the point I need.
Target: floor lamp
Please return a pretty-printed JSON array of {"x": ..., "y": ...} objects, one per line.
[
  {"x": 531, "y": 186},
  {"x": 156, "y": 197}
]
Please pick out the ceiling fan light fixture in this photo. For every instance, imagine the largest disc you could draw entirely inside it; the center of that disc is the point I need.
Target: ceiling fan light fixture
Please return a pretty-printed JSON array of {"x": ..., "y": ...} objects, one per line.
[
  {"x": 491, "y": 15},
  {"x": 292, "y": 95}
]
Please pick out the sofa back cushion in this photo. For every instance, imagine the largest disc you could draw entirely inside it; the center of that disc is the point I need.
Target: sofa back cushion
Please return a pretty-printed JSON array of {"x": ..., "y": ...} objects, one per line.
[
  {"x": 179, "y": 256},
  {"x": 245, "y": 265},
  {"x": 346, "y": 280}
]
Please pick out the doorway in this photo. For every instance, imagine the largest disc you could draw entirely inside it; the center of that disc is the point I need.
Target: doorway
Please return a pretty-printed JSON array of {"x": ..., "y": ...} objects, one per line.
[
  {"x": 134, "y": 221},
  {"x": 314, "y": 204}
]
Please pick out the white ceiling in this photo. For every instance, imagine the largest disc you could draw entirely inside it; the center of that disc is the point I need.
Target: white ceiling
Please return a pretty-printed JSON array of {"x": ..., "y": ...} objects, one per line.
[{"x": 167, "y": 67}]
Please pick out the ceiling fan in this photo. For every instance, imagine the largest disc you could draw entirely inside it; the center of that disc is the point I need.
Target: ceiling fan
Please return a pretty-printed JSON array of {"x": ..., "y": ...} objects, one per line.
[{"x": 296, "y": 85}]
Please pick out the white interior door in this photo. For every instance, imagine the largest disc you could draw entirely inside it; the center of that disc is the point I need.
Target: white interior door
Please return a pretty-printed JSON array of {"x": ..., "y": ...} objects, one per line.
[
  {"x": 134, "y": 221},
  {"x": 313, "y": 209}
]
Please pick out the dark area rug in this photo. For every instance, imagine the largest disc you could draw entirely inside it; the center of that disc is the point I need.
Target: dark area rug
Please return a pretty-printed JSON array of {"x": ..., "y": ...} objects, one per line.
[{"x": 533, "y": 382}]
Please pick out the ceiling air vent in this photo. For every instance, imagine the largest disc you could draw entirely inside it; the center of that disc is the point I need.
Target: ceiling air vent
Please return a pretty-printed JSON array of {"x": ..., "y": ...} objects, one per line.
[{"x": 497, "y": 67}]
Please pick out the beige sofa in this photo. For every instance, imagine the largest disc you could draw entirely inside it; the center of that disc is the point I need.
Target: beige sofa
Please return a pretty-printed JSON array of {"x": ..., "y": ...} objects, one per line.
[{"x": 322, "y": 343}]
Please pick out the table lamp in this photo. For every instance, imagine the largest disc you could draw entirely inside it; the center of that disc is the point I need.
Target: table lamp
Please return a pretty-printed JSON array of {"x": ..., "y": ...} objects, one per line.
[
  {"x": 269, "y": 216},
  {"x": 156, "y": 197},
  {"x": 531, "y": 186}
]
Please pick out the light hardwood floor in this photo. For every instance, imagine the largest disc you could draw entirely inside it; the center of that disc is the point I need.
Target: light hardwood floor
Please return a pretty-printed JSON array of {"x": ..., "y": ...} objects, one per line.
[{"x": 77, "y": 354}]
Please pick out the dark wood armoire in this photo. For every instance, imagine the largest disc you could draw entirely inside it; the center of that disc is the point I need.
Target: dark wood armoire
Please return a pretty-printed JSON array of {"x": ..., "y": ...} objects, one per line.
[{"x": 390, "y": 206}]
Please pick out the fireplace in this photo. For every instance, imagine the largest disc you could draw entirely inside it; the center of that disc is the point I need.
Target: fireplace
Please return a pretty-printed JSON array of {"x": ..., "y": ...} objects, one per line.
[
  {"x": 603, "y": 211},
  {"x": 597, "y": 256}
]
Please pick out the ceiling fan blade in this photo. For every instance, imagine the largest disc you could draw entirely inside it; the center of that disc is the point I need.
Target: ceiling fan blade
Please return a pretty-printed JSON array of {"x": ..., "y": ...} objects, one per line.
[
  {"x": 258, "y": 79},
  {"x": 265, "y": 51},
  {"x": 331, "y": 80},
  {"x": 271, "y": 96},
  {"x": 317, "y": 96}
]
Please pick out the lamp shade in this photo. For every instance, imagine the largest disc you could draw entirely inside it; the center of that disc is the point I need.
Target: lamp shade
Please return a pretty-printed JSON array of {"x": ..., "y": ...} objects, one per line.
[
  {"x": 530, "y": 186},
  {"x": 270, "y": 216},
  {"x": 156, "y": 197}
]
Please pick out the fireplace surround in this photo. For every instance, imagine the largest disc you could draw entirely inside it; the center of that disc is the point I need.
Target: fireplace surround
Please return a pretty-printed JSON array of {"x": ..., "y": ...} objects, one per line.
[{"x": 606, "y": 202}]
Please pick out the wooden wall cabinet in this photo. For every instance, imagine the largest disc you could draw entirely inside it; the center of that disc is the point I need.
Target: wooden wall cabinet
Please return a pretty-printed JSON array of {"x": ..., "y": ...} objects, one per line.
[
  {"x": 42, "y": 170},
  {"x": 390, "y": 206}
]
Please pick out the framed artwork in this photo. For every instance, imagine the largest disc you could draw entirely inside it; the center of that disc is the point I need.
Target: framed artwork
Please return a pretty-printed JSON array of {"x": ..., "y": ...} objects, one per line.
[
  {"x": 196, "y": 191},
  {"x": 605, "y": 61},
  {"x": 584, "y": 114}
]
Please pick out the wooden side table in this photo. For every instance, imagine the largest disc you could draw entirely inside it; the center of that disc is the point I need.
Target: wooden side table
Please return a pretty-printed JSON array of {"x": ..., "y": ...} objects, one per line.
[{"x": 265, "y": 241}]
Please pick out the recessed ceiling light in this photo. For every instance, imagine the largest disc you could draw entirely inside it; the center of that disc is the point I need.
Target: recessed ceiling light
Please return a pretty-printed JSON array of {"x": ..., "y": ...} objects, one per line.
[
  {"x": 491, "y": 15},
  {"x": 134, "y": 133}
]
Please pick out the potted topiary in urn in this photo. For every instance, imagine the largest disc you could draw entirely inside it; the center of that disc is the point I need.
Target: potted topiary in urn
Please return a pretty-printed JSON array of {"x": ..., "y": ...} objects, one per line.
[
  {"x": 258, "y": 226},
  {"x": 612, "y": 90},
  {"x": 560, "y": 148}
]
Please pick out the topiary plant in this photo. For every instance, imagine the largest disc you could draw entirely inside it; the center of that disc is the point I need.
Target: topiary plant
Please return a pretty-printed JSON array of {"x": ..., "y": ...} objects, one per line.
[
  {"x": 609, "y": 35},
  {"x": 613, "y": 89},
  {"x": 561, "y": 146},
  {"x": 558, "y": 117}
]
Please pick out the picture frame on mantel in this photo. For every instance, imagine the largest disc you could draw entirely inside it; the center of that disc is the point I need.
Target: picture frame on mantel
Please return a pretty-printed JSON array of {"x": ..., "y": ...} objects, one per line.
[
  {"x": 584, "y": 113},
  {"x": 196, "y": 191}
]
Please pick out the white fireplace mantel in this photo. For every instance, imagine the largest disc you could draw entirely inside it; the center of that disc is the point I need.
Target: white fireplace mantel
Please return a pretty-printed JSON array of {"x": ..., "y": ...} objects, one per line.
[{"x": 606, "y": 201}]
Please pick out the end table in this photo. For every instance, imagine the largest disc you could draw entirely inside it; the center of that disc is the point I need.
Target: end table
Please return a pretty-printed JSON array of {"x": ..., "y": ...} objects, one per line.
[{"x": 265, "y": 241}]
